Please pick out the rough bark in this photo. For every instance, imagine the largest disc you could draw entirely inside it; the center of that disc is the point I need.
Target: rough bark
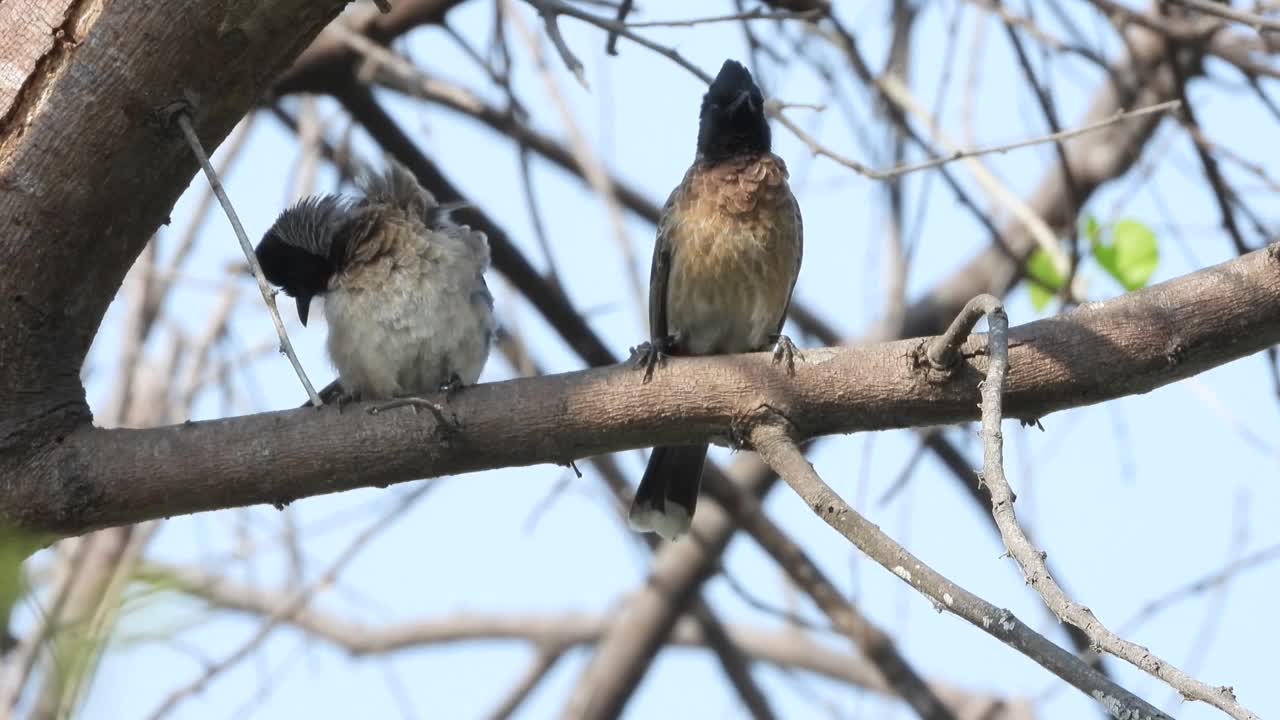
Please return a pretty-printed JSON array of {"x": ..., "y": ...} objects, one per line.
[
  {"x": 87, "y": 174},
  {"x": 1101, "y": 351}
]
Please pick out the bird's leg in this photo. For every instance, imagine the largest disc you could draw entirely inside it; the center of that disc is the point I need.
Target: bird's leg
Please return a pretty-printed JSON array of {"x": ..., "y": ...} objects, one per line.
[
  {"x": 451, "y": 386},
  {"x": 651, "y": 354},
  {"x": 785, "y": 350},
  {"x": 341, "y": 399}
]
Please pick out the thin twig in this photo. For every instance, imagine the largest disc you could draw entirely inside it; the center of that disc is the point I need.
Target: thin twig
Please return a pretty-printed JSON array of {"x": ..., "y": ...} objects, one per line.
[
  {"x": 1200, "y": 585},
  {"x": 760, "y": 13},
  {"x": 296, "y": 602},
  {"x": 782, "y": 648},
  {"x": 1225, "y": 11},
  {"x": 775, "y": 111},
  {"x": 544, "y": 661},
  {"x": 593, "y": 169},
  {"x": 944, "y": 351},
  {"x": 901, "y": 98},
  {"x": 562, "y": 8},
  {"x": 874, "y": 643},
  {"x": 551, "y": 20},
  {"x": 624, "y": 9},
  {"x": 779, "y": 450},
  {"x": 184, "y": 122},
  {"x": 1032, "y": 560}
]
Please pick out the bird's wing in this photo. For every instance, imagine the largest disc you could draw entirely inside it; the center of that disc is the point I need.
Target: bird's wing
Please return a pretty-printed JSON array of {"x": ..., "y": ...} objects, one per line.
[
  {"x": 660, "y": 269},
  {"x": 795, "y": 272},
  {"x": 796, "y": 225},
  {"x": 396, "y": 186}
]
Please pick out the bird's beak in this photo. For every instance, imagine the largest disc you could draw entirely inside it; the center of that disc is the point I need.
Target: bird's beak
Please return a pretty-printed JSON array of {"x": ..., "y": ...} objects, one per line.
[
  {"x": 304, "y": 304},
  {"x": 743, "y": 97}
]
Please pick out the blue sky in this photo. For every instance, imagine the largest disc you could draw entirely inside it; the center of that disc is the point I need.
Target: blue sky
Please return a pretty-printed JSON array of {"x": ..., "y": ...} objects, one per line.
[{"x": 1130, "y": 499}]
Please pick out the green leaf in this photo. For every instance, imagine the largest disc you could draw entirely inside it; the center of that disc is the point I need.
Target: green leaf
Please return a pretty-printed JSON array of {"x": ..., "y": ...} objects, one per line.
[
  {"x": 1040, "y": 295},
  {"x": 1132, "y": 256},
  {"x": 1040, "y": 268},
  {"x": 1092, "y": 231},
  {"x": 1044, "y": 278}
]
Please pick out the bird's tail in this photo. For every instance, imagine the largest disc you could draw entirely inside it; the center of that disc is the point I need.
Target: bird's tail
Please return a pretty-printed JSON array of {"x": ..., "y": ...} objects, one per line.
[{"x": 668, "y": 491}]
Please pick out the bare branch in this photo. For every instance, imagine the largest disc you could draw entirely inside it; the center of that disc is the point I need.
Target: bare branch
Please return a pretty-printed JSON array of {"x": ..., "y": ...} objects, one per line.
[
  {"x": 783, "y": 648},
  {"x": 268, "y": 295},
  {"x": 1031, "y": 560},
  {"x": 777, "y": 449},
  {"x": 1104, "y": 350},
  {"x": 760, "y": 13},
  {"x": 1253, "y": 20},
  {"x": 776, "y": 108},
  {"x": 873, "y": 642},
  {"x": 544, "y": 661},
  {"x": 593, "y": 169},
  {"x": 296, "y": 602}
]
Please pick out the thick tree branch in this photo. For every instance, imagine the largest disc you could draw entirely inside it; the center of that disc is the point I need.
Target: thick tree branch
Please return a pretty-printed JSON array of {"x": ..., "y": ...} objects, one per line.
[
  {"x": 110, "y": 67},
  {"x": 1101, "y": 351}
]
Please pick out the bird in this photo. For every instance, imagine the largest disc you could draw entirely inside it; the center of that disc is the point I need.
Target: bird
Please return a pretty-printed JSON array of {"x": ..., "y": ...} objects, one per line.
[
  {"x": 725, "y": 262},
  {"x": 405, "y": 297}
]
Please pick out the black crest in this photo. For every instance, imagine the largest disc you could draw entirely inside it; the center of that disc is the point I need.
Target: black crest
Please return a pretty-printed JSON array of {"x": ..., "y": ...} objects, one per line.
[
  {"x": 301, "y": 251},
  {"x": 732, "y": 121}
]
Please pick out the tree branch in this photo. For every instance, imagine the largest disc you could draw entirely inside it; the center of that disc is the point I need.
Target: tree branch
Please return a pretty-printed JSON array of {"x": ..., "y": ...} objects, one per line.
[
  {"x": 776, "y": 447},
  {"x": 65, "y": 214},
  {"x": 1101, "y": 351},
  {"x": 785, "y": 648},
  {"x": 1031, "y": 560}
]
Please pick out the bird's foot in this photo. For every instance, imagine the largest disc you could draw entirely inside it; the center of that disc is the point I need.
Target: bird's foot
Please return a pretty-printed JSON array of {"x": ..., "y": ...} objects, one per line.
[
  {"x": 451, "y": 386},
  {"x": 342, "y": 399},
  {"x": 447, "y": 423},
  {"x": 649, "y": 355},
  {"x": 786, "y": 351}
]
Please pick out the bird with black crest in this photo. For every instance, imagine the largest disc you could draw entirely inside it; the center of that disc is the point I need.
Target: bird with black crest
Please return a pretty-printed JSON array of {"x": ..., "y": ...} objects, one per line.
[
  {"x": 725, "y": 262},
  {"x": 405, "y": 298}
]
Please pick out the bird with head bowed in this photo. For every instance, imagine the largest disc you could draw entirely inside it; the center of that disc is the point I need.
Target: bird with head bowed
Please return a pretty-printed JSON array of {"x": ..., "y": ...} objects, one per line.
[{"x": 404, "y": 293}]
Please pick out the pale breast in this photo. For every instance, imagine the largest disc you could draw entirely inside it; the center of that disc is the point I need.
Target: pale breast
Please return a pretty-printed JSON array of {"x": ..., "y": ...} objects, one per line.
[
  {"x": 406, "y": 320},
  {"x": 737, "y": 242}
]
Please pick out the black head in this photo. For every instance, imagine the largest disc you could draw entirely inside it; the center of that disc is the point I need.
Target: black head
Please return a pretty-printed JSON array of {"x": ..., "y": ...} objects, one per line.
[
  {"x": 732, "y": 121},
  {"x": 299, "y": 252}
]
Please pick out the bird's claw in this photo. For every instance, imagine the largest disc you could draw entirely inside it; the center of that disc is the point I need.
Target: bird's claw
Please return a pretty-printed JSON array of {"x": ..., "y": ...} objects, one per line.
[
  {"x": 785, "y": 350},
  {"x": 341, "y": 399},
  {"x": 650, "y": 354},
  {"x": 446, "y": 423},
  {"x": 451, "y": 386}
]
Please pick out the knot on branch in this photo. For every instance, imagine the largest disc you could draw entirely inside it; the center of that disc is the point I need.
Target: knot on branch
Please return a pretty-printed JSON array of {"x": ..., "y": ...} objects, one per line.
[
  {"x": 165, "y": 117},
  {"x": 763, "y": 417}
]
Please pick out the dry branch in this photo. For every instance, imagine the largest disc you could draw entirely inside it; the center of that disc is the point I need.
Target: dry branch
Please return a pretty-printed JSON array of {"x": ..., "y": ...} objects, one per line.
[
  {"x": 1101, "y": 351},
  {"x": 784, "y": 648},
  {"x": 1030, "y": 559},
  {"x": 64, "y": 213},
  {"x": 772, "y": 439}
]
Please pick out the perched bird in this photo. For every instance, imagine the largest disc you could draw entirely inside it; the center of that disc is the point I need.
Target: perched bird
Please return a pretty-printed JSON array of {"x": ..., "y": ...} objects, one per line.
[
  {"x": 724, "y": 265},
  {"x": 408, "y": 308}
]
